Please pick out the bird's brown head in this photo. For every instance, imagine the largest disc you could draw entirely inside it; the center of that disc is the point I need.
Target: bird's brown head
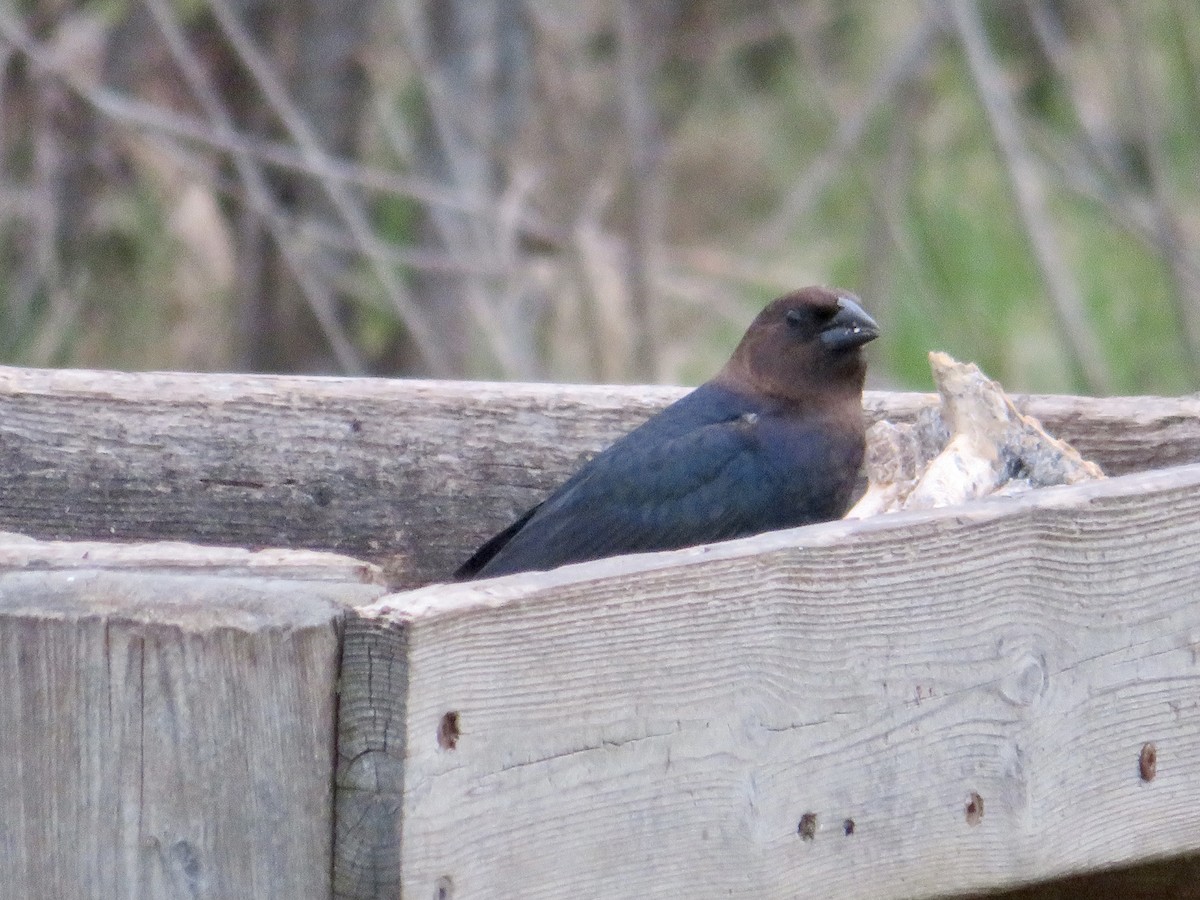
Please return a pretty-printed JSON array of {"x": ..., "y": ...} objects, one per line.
[{"x": 805, "y": 344}]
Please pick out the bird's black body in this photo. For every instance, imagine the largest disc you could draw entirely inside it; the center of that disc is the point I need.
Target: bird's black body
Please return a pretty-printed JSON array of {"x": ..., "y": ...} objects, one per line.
[{"x": 759, "y": 447}]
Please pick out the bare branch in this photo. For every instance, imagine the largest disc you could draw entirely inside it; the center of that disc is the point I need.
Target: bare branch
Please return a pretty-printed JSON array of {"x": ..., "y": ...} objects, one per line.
[
  {"x": 902, "y": 66},
  {"x": 1097, "y": 140},
  {"x": 1187, "y": 30},
  {"x": 644, "y": 148},
  {"x": 347, "y": 206},
  {"x": 1171, "y": 238},
  {"x": 318, "y": 296},
  {"x": 150, "y": 117},
  {"x": 259, "y": 196},
  {"x": 1080, "y": 340},
  {"x": 468, "y": 156}
]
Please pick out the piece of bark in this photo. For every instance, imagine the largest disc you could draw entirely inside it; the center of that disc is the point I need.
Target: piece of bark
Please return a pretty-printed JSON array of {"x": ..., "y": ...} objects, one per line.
[{"x": 976, "y": 446}]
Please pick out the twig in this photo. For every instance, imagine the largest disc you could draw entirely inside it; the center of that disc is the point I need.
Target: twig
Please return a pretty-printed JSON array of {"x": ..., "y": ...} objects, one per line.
[
  {"x": 40, "y": 272},
  {"x": 470, "y": 165},
  {"x": 643, "y": 145},
  {"x": 1064, "y": 164},
  {"x": 1048, "y": 31},
  {"x": 151, "y": 117},
  {"x": 1171, "y": 237},
  {"x": 347, "y": 207},
  {"x": 903, "y": 64},
  {"x": 260, "y": 198},
  {"x": 416, "y": 258},
  {"x": 471, "y": 179},
  {"x": 1080, "y": 340},
  {"x": 891, "y": 184},
  {"x": 1183, "y": 12}
]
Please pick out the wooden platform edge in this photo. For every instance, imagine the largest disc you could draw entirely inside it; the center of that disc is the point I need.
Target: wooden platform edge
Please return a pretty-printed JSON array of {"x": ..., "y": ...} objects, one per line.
[
  {"x": 450, "y": 599},
  {"x": 167, "y": 733},
  {"x": 18, "y": 551},
  {"x": 408, "y": 475},
  {"x": 1066, "y": 626},
  {"x": 371, "y": 747}
]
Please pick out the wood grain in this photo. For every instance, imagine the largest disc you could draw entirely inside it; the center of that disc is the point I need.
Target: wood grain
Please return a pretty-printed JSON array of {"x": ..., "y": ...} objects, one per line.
[
  {"x": 406, "y": 474},
  {"x": 166, "y": 735},
  {"x": 411, "y": 475},
  {"x": 180, "y": 558},
  {"x": 970, "y": 687},
  {"x": 370, "y": 766}
]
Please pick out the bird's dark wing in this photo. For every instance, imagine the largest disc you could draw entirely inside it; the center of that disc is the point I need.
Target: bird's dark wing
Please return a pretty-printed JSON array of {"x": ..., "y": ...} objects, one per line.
[
  {"x": 704, "y": 406},
  {"x": 706, "y": 484},
  {"x": 494, "y": 545}
]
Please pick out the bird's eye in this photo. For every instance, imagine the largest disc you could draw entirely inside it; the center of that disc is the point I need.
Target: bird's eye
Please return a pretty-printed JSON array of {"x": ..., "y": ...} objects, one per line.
[{"x": 794, "y": 317}]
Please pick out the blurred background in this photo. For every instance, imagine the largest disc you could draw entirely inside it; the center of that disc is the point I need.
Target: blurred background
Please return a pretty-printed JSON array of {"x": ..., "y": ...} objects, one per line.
[{"x": 606, "y": 191}]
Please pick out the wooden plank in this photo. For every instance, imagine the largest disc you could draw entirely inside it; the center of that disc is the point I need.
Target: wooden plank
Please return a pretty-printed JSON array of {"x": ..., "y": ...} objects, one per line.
[
  {"x": 167, "y": 735},
  {"x": 1123, "y": 434},
  {"x": 19, "y": 551},
  {"x": 914, "y": 705},
  {"x": 411, "y": 475},
  {"x": 372, "y": 730},
  {"x": 405, "y": 474}
]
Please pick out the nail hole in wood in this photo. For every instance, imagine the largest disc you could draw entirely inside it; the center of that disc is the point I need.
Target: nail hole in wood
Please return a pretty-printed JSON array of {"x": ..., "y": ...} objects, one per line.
[
  {"x": 448, "y": 732},
  {"x": 974, "y": 809},
  {"x": 848, "y": 827},
  {"x": 808, "y": 826},
  {"x": 1148, "y": 761},
  {"x": 444, "y": 889}
]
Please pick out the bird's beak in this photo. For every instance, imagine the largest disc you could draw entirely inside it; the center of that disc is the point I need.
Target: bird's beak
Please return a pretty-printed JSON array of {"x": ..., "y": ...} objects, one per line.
[{"x": 851, "y": 327}]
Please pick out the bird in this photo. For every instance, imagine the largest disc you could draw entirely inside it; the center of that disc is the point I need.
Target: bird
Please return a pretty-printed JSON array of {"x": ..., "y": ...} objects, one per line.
[{"x": 774, "y": 440}]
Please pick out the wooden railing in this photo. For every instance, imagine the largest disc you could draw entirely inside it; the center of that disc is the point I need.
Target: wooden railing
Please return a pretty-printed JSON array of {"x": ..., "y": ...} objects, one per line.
[{"x": 916, "y": 705}]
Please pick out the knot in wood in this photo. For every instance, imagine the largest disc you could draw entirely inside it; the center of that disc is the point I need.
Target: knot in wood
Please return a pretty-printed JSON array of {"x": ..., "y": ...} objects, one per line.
[{"x": 1026, "y": 680}]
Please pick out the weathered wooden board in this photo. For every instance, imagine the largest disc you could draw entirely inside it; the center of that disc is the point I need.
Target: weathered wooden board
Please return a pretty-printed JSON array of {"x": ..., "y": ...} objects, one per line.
[
  {"x": 18, "y": 551},
  {"x": 914, "y": 705},
  {"x": 407, "y": 474},
  {"x": 166, "y": 735}
]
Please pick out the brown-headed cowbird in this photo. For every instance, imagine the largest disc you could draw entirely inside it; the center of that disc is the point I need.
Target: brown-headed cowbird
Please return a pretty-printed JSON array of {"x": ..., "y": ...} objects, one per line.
[{"x": 775, "y": 440}]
